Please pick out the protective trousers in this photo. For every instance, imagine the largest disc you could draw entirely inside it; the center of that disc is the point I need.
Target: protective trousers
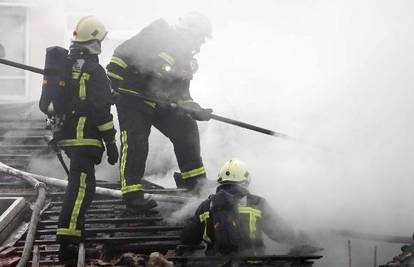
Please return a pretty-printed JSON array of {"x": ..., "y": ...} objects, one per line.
[
  {"x": 135, "y": 123},
  {"x": 77, "y": 199}
]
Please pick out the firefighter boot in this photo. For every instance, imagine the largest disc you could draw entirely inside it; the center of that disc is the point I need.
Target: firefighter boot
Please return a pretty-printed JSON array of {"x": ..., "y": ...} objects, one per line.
[
  {"x": 194, "y": 185},
  {"x": 135, "y": 202},
  {"x": 68, "y": 254}
]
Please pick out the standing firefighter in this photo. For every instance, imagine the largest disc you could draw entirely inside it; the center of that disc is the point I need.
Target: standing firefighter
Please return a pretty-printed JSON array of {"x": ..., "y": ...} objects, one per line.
[
  {"x": 80, "y": 103},
  {"x": 232, "y": 221},
  {"x": 158, "y": 62}
]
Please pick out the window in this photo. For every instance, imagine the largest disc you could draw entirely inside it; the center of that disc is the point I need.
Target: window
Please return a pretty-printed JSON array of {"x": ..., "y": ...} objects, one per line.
[{"x": 13, "y": 39}]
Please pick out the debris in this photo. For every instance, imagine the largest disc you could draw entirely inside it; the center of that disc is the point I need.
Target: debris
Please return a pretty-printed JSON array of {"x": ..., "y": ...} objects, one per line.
[
  {"x": 97, "y": 262},
  {"x": 156, "y": 259},
  {"x": 7, "y": 252},
  {"x": 9, "y": 262},
  {"x": 406, "y": 258},
  {"x": 132, "y": 259}
]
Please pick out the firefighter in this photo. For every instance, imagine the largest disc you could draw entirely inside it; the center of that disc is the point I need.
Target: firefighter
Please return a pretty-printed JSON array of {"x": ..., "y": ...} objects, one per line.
[
  {"x": 87, "y": 126},
  {"x": 158, "y": 62},
  {"x": 232, "y": 221}
]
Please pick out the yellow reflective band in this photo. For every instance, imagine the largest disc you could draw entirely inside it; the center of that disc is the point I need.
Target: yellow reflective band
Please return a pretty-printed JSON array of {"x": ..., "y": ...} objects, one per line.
[
  {"x": 44, "y": 82},
  {"x": 106, "y": 126},
  {"x": 128, "y": 91},
  {"x": 80, "y": 142},
  {"x": 69, "y": 232},
  {"x": 131, "y": 188},
  {"x": 115, "y": 76},
  {"x": 203, "y": 219},
  {"x": 75, "y": 75},
  {"x": 192, "y": 173},
  {"x": 79, "y": 127},
  {"x": 78, "y": 203},
  {"x": 118, "y": 61},
  {"x": 151, "y": 104},
  {"x": 124, "y": 151},
  {"x": 246, "y": 209},
  {"x": 204, "y": 216},
  {"x": 254, "y": 214},
  {"x": 62, "y": 83},
  {"x": 82, "y": 85},
  {"x": 167, "y": 58}
]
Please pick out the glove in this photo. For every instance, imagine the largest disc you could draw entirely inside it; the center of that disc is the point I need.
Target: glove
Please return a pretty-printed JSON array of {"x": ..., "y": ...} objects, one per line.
[
  {"x": 195, "y": 111},
  {"x": 112, "y": 152}
]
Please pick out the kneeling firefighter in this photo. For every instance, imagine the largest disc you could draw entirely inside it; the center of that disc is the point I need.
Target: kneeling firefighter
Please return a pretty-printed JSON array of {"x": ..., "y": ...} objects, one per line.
[
  {"x": 233, "y": 221},
  {"x": 76, "y": 94}
]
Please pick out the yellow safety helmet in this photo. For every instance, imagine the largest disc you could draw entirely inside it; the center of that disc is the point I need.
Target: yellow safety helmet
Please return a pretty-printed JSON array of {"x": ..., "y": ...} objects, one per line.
[
  {"x": 234, "y": 171},
  {"x": 89, "y": 28},
  {"x": 196, "y": 23}
]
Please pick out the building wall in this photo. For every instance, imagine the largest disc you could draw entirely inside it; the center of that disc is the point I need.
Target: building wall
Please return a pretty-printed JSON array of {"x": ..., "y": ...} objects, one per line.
[
  {"x": 26, "y": 29},
  {"x": 46, "y": 27},
  {"x": 45, "y": 23}
]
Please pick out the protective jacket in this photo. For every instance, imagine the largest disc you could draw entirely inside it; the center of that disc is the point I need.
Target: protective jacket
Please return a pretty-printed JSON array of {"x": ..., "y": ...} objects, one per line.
[
  {"x": 88, "y": 117},
  {"x": 253, "y": 218},
  {"x": 157, "y": 62}
]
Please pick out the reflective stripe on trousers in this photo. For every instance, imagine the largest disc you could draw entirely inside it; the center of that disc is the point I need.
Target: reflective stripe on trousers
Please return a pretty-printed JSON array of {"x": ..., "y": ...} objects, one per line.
[
  {"x": 71, "y": 230},
  {"x": 194, "y": 172},
  {"x": 124, "y": 157}
]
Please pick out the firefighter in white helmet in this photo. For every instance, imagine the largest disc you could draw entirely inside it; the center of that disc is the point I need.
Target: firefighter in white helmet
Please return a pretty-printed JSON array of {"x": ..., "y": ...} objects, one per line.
[
  {"x": 87, "y": 128},
  {"x": 196, "y": 27},
  {"x": 233, "y": 220},
  {"x": 159, "y": 63}
]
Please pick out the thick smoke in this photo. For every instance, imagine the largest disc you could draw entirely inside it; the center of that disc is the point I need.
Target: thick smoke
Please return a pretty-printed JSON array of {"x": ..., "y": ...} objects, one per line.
[{"x": 335, "y": 75}]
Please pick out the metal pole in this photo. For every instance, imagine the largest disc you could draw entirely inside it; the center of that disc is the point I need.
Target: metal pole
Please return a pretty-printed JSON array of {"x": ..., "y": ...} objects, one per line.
[
  {"x": 31, "y": 233},
  {"x": 247, "y": 126},
  {"x": 36, "y": 256},
  {"x": 349, "y": 253},
  {"x": 81, "y": 255},
  {"x": 212, "y": 116},
  {"x": 375, "y": 256},
  {"x": 99, "y": 190},
  {"x": 21, "y": 66}
]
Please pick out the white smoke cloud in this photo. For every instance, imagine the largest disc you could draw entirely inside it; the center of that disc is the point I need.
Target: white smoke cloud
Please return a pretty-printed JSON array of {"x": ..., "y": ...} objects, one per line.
[{"x": 334, "y": 74}]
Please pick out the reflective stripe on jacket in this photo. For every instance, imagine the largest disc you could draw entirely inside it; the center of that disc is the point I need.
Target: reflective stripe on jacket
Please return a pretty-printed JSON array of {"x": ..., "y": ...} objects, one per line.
[
  {"x": 249, "y": 221},
  {"x": 89, "y": 119}
]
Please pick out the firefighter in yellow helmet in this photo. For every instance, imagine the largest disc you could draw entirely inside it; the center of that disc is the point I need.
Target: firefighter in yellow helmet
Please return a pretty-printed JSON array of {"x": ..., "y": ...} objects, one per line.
[
  {"x": 233, "y": 220},
  {"x": 87, "y": 126},
  {"x": 159, "y": 62}
]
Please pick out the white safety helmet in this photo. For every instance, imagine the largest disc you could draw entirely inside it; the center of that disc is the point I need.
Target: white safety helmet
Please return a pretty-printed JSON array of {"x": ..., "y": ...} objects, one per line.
[
  {"x": 89, "y": 28},
  {"x": 234, "y": 171},
  {"x": 196, "y": 24}
]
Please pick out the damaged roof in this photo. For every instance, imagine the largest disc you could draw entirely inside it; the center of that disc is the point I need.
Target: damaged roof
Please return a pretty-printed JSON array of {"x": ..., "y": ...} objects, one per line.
[{"x": 114, "y": 236}]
